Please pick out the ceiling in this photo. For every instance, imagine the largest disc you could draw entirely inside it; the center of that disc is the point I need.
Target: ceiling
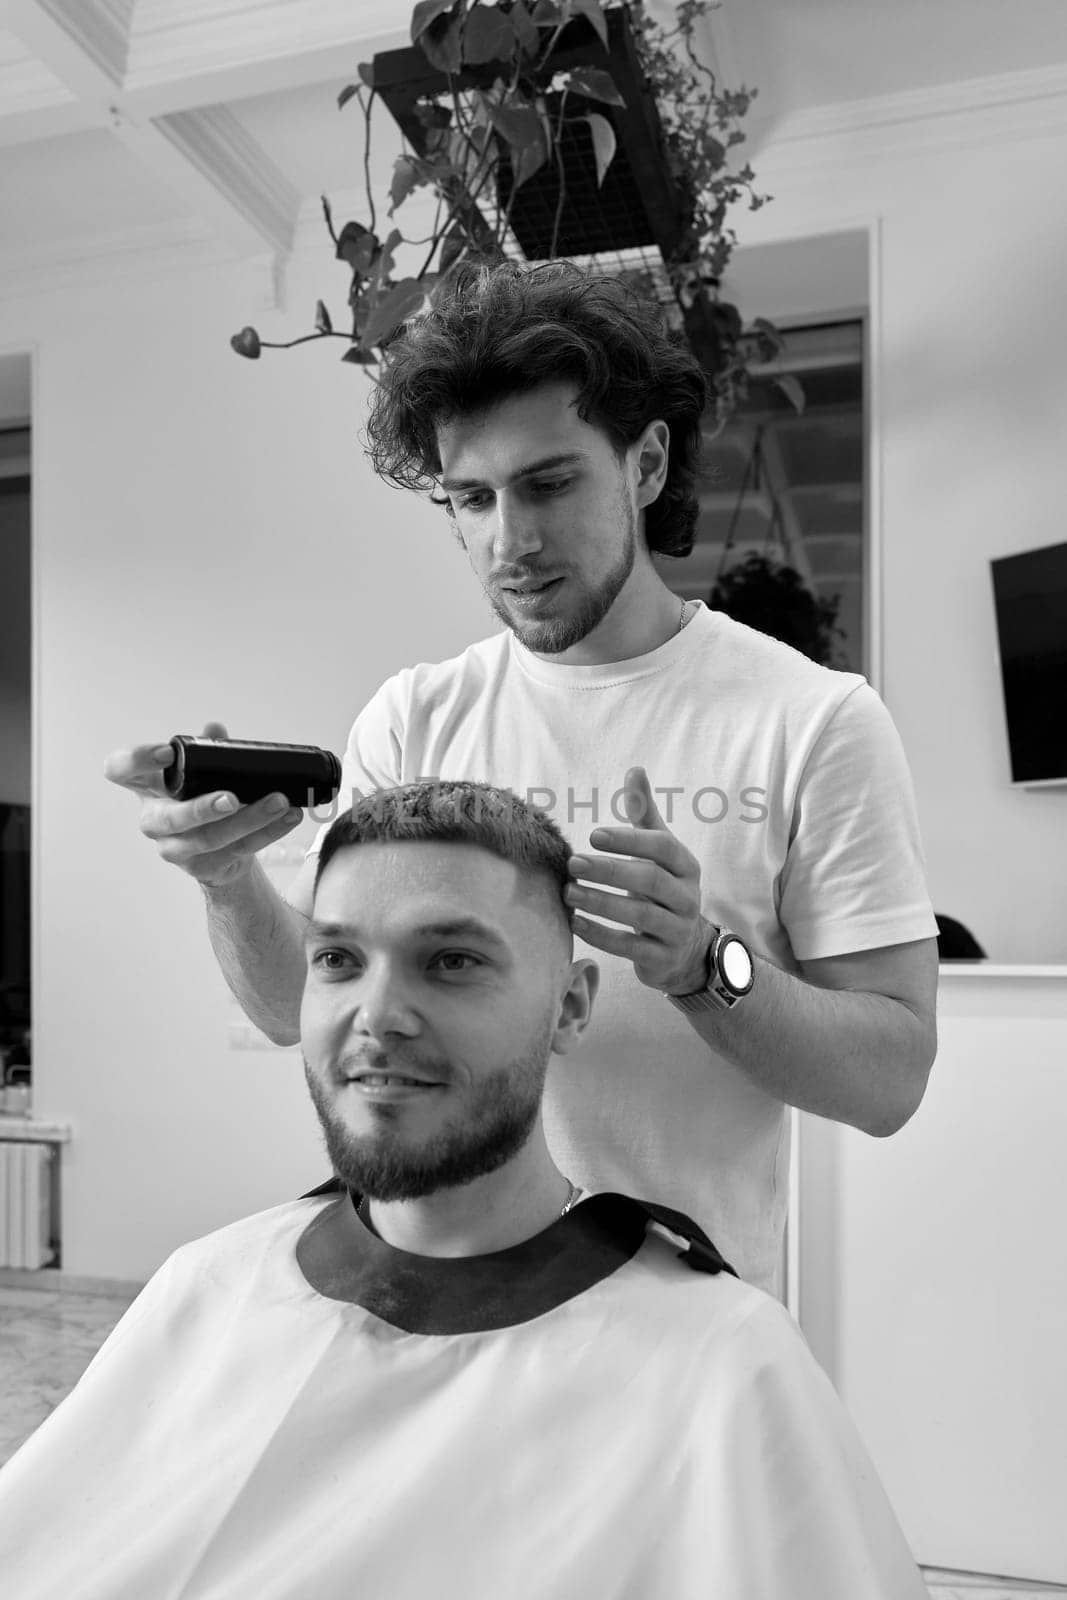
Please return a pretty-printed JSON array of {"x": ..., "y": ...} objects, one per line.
[{"x": 183, "y": 130}]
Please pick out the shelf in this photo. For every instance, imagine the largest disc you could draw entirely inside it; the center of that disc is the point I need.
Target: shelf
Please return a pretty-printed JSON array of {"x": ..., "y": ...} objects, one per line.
[
  {"x": 34, "y": 1130},
  {"x": 997, "y": 969}
]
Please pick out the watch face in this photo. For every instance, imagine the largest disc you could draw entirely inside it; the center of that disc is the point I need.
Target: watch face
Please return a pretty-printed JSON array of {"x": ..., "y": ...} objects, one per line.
[{"x": 735, "y": 964}]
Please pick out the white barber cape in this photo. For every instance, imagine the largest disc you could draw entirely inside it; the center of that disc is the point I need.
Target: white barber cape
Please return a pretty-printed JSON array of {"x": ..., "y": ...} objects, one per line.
[{"x": 580, "y": 1417}]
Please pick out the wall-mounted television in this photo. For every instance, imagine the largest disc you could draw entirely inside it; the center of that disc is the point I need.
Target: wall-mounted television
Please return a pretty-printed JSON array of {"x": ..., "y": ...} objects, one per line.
[{"x": 1030, "y": 598}]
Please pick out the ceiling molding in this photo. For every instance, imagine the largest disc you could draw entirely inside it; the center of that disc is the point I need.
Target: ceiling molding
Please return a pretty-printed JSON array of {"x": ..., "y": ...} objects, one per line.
[
  {"x": 203, "y": 155},
  {"x": 1036, "y": 99},
  {"x": 132, "y": 253},
  {"x": 101, "y": 28},
  {"x": 34, "y": 103},
  {"x": 244, "y": 47},
  {"x": 25, "y": 82},
  {"x": 253, "y": 204},
  {"x": 81, "y": 42}
]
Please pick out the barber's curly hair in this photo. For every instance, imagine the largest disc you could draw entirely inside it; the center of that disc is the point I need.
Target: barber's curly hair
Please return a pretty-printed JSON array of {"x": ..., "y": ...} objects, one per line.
[{"x": 494, "y": 331}]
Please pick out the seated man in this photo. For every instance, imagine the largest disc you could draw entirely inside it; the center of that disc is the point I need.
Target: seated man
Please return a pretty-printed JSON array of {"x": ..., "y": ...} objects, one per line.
[{"x": 454, "y": 1375}]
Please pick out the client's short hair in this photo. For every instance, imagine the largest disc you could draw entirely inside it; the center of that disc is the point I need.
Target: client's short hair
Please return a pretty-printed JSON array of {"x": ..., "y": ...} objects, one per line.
[{"x": 456, "y": 813}]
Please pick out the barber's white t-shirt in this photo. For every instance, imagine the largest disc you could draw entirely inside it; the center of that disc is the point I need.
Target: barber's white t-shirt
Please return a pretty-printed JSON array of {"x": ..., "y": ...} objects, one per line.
[{"x": 787, "y": 781}]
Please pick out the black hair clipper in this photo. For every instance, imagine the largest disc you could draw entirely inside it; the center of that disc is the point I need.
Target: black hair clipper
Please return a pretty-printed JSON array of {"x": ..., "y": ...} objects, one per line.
[{"x": 251, "y": 770}]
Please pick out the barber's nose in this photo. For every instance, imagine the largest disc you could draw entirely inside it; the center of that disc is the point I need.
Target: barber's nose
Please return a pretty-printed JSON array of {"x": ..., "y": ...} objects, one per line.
[
  {"x": 383, "y": 1004},
  {"x": 517, "y": 534}
]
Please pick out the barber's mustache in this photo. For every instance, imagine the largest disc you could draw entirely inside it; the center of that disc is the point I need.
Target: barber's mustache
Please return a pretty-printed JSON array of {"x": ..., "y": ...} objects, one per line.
[{"x": 510, "y": 577}]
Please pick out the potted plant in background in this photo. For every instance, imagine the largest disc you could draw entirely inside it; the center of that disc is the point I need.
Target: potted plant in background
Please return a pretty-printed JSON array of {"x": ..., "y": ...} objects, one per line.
[
  {"x": 543, "y": 128},
  {"x": 771, "y": 596}
]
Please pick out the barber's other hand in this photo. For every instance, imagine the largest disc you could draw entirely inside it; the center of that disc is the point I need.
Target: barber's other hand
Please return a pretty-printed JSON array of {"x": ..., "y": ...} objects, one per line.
[
  {"x": 214, "y": 847},
  {"x": 664, "y": 934}
]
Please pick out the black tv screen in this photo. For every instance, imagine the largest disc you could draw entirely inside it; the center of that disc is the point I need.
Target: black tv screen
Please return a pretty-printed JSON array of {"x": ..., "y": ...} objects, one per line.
[{"x": 1030, "y": 596}]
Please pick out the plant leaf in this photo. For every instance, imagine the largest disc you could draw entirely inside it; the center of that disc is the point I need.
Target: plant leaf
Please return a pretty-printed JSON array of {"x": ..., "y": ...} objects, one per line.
[
  {"x": 322, "y": 318},
  {"x": 246, "y": 343},
  {"x": 392, "y": 309},
  {"x": 441, "y": 45},
  {"x": 792, "y": 389},
  {"x": 425, "y": 12},
  {"x": 432, "y": 115},
  {"x": 487, "y": 36},
  {"x": 452, "y": 247},
  {"x": 383, "y": 264},
  {"x": 525, "y": 31},
  {"x": 604, "y": 143},
  {"x": 595, "y": 84},
  {"x": 769, "y": 341},
  {"x": 526, "y": 159},
  {"x": 362, "y": 358},
  {"x": 727, "y": 320},
  {"x": 346, "y": 94},
  {"x": 518, "y": 125},
  {"x": 356, "y": 245},
  {"x": 406, "y": 177},
  {"x": 590, "y": 9},
  {"x": 546, "y": 13},
  {"x": 366, "y": 72}
]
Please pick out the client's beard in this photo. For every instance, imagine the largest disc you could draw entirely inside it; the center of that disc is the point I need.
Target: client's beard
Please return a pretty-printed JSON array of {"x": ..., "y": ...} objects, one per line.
[{"x": 496, "y": 1123}]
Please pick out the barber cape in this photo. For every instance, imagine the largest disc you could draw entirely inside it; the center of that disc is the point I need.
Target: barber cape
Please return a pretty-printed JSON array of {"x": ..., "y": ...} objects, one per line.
[{"x": 579, "y": 1417}]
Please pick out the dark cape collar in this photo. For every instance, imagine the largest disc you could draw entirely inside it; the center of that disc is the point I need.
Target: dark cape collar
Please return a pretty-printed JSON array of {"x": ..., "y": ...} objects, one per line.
[{"x": 343, "y": 1259}]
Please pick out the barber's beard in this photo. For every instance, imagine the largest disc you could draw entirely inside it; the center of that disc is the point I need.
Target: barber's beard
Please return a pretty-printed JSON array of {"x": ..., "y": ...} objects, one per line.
[
  {"x": 552, "y": 635},
  {"x": 492, "y": 1126}
]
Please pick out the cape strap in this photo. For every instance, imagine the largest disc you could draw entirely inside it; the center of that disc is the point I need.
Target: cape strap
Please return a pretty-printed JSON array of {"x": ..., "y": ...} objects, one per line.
[
  {"x": 700, "y": 1254},
  {"x": 331, "y": 1186}
]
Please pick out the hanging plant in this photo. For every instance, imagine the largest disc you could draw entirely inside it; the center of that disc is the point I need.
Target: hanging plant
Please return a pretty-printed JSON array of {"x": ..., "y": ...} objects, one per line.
[
  {"x": 544, "y": 128},
  {"x": 773, "y": 597}
]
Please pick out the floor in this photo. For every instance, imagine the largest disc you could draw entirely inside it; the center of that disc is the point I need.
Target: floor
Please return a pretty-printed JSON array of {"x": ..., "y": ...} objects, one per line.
[
  {"x": 51, "y": 1325},
  {"x": 50, "y": 1328}
]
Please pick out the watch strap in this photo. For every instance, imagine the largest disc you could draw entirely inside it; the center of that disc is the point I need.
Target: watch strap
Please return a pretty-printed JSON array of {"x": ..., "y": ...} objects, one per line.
[{"x": 715, "y": 996}]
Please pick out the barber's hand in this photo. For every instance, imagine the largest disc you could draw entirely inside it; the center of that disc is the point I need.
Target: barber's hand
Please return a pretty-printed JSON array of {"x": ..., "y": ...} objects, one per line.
[
  {"x": 215, "y": 847},
  {"x": 664, "y": 934}
]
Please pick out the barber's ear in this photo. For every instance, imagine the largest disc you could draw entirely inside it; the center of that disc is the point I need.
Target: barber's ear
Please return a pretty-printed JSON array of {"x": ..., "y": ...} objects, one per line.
[
  {"x": 576, "y": 1005},
  {"x": 652, "y": 462}
]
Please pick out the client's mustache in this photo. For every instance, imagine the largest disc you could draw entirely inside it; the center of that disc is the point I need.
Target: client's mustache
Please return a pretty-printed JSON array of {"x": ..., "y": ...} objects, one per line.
[{"x": 397, "y": 1063}]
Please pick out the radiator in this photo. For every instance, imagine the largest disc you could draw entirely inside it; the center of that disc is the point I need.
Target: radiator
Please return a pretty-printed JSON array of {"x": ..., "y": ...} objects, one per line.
[{"x": 25, "y": 1203}]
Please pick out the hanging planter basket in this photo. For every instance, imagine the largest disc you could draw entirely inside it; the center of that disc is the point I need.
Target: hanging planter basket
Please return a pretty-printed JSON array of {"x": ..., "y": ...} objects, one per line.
[
  {"x": 636, "y": 203},
  {"x": 535, "y": 126}
]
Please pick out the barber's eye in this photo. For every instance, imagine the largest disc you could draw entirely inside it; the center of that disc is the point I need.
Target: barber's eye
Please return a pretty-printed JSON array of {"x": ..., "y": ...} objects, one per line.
[{"x": 551, "y": 485}]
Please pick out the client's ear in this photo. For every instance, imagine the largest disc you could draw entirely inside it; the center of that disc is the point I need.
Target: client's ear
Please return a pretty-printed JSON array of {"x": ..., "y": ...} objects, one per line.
[{"x": 576, "y": 1005}]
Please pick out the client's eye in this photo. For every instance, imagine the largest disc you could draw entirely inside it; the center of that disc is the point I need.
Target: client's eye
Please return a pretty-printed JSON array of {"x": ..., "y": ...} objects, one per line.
[
  {"x": 323, "y": 959},
  {"x": 457, "y": 961}
]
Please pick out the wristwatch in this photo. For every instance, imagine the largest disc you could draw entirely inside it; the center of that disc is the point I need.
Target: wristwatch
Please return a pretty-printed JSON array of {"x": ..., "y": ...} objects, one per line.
[{"x": 729, "y": 976}]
